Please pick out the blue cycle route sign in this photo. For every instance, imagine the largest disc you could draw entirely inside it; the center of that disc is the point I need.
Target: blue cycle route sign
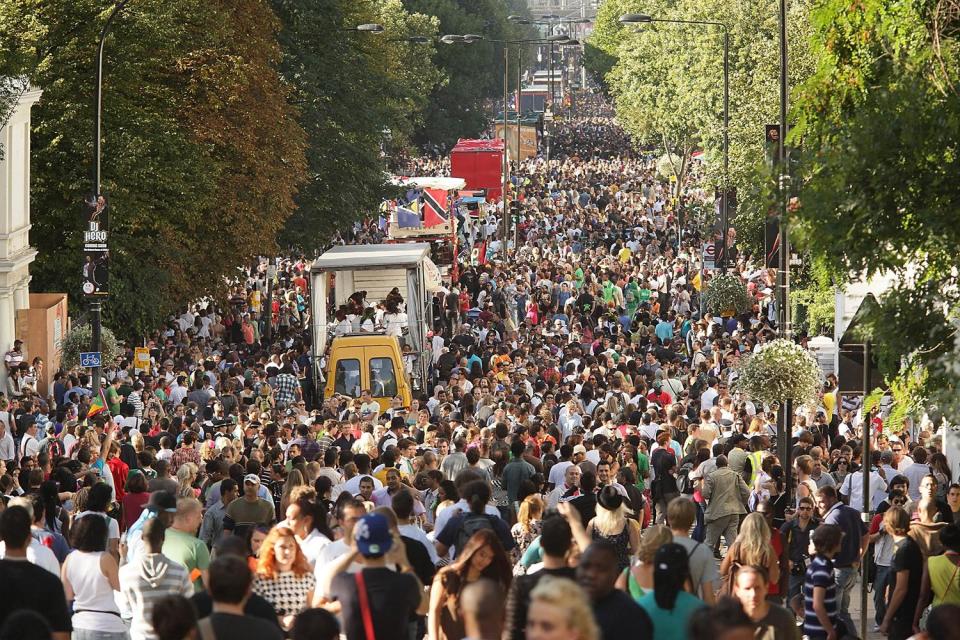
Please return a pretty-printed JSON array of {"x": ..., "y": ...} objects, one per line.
[{"x": 91, "y": 359}]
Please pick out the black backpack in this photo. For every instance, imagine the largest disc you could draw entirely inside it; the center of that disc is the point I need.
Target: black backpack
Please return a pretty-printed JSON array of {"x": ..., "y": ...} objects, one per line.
[
  {"x": 472, "y": 523},
  {"x": 684, "y": 484}
]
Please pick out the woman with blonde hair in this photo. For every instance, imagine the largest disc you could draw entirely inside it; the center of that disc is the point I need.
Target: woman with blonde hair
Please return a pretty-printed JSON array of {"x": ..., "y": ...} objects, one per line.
[
  {"x": 752, "y": 546},
  {"x": 612, "y": 524},
  {"x": 560, "y": 610},
  {"x": 284, "y": 576},
  {"x": 136, "y": 439},
  {"x": 365, "y": 444},
  {"x": 186, "y": 476},
  {"x": 294, "y": 480},
  {"x": 638, "y": 578},
  {"x": 529, "y": 523}
]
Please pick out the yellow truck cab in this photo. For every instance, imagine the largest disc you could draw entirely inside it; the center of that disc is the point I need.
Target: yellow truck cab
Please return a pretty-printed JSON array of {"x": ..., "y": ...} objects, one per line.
[
  {"x": 368, "y": 361},
  {"x": 388, "y": 365}
]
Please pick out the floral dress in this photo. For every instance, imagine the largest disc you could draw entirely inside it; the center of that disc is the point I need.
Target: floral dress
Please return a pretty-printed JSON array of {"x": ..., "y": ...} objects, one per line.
[{"x": 523, "y": 540}]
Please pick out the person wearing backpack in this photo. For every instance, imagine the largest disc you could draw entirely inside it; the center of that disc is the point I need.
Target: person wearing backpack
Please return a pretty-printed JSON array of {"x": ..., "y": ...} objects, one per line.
[
  {"x": 51, "y": 446},
  {"x": 463, "y": 526}
]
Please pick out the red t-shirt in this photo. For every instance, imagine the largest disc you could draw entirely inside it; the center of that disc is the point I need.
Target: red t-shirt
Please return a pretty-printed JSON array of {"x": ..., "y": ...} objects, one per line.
[
  {"x": 119, "y": 469},
  {"x": 777, "y": 543}
]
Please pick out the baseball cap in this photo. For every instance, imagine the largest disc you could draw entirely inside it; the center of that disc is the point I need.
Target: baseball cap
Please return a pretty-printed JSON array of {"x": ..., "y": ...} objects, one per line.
[
  {"x": 252, "y": 478},
  {"x": 372, "y": 535},
  {"x": 162, "y": 501},
  {"x": 580, "y": 449}
]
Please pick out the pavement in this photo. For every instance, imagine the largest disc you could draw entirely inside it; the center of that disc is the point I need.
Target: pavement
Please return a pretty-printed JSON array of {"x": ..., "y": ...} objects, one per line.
[{"x": 855, "y": 612}]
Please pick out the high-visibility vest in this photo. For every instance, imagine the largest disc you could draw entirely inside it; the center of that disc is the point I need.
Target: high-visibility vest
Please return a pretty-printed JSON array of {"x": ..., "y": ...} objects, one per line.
[{"x": 755, "y": 457}]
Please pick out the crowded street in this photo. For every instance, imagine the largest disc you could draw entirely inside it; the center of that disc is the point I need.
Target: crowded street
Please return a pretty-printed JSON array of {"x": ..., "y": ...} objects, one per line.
[
  {"x": 479, "y": 321},
  {"x": 582, "y": 427}
]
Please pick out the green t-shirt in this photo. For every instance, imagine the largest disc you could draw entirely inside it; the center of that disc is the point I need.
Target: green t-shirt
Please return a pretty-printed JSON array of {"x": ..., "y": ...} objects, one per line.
[
  {"x": 243, "y": 512},
  {"x": 644, "y": 295},
  {"x": 671, "y": 625},
  {"x": 608, "y": 291},
  {"x": 189, "y": 551},
  {"x": 643, "y": 467},
  {"x": 113, "y": 400}
]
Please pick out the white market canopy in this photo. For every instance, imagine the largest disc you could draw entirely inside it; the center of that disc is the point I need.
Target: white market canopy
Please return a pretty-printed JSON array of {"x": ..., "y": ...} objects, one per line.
[
  {"x": 372, "y": 256},
  {"x": 430, "y": 182}
]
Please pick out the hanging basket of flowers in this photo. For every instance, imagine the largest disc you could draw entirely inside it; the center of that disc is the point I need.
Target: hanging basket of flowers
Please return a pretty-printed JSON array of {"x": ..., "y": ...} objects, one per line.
[
  {"x": 78, "y": 340},
  {"x": 778, "y": 371},
  {"x": 727, "y": 296}
]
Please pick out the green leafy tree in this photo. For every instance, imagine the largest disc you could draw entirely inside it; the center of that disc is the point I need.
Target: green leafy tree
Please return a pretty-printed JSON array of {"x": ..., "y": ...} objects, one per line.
[
  {"x": 601, "y": 51},
  {"x": 202, "y": 153},
  {"x": 350, "y": 88},
  {"x": 880, "y": 124},
  {"x": 667, "y": 81},
  {"x": 474, "y": 72}
]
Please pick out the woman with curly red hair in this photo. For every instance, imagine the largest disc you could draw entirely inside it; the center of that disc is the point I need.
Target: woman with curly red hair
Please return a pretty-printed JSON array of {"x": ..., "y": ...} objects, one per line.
[{"x": 284, "y": 576}]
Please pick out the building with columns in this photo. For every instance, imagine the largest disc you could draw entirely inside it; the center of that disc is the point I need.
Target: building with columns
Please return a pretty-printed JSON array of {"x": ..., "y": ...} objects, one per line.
[
  {"x": 16, "y": 254},
  {"x": 564, "y": 8}
]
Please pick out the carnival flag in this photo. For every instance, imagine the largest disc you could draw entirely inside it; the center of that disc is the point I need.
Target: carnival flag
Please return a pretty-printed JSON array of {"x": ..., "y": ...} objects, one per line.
[{"x": 434, "y": 207}]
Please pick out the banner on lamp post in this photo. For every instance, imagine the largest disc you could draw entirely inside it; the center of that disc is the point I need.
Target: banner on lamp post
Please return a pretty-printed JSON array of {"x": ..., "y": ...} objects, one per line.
[{"x": 96, "y": 256}]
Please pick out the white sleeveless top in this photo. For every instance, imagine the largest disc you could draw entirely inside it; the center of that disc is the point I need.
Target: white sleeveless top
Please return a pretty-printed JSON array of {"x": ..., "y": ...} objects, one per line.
[{"x": 94, "y": 606}]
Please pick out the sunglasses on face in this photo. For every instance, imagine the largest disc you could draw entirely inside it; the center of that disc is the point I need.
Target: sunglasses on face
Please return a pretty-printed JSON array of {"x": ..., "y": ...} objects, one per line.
[
  {"x": 805, "y": 508},
  {"x": 900, "y": 502}
]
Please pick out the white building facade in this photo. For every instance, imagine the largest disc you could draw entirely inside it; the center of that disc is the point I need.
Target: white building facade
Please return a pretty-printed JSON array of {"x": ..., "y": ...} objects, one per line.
[{"x": 16, "y": 254}]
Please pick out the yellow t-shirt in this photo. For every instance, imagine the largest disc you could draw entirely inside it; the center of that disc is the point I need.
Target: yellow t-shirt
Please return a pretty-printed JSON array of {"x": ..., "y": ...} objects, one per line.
[{"x": 830, "y": 403}]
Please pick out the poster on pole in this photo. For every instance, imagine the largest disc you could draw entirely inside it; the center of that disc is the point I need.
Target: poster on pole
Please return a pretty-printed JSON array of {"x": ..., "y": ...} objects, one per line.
[
  {"x": 528, "y": 141},
  {"x": 141, "y": 359},
  {"x": 96, "y": 265}
]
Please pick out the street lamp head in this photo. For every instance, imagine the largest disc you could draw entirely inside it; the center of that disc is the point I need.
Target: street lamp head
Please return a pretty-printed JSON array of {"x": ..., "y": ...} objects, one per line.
[
  {"x": 470, "y": 38},
  {"x": 370, "y": 28},
  {"x": 518, "y": 19},
  {"x": 635, "y": 18},
  {"x": 451, "y": 39}
]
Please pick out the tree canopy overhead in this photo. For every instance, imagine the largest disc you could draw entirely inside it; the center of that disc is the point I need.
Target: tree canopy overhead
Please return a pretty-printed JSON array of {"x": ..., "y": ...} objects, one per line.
[
  {"x": 667, "y": 82},
  {"x": 353, "y": 91},
  {"x": 202, "y": 152},
  {"x": 879, "y": 123}
]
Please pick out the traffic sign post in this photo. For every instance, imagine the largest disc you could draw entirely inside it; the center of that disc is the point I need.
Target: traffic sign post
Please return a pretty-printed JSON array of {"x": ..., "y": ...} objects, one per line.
[
  {"x": 709, "y": 256},
  {"x": 91, "y": 359}
]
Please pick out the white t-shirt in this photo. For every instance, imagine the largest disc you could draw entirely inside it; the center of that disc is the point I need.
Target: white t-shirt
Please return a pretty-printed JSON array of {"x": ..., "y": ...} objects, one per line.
[
  {"x": 558, "y": 471},
  {"x": 706, "y": 400},
  {"x": 313, "y": 545},
  {"x": 853, "y": 487},
  {"x": 37, "y": 554},
  {"x": 113, "y": 528},
  {"x": 460, "y": 507},
  {"x": 29, "y": 446}
]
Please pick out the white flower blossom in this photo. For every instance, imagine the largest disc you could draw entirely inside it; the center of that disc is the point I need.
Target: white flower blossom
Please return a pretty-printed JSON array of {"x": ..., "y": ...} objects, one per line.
[{"x": 780, "y": 370}]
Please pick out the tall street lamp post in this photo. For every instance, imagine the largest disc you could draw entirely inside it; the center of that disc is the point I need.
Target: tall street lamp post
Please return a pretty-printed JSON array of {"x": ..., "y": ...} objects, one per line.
[
  {"x": 552, "y": 39},
  {"x": 640, "y": 18},
  {"x": 95, "y": 202}
]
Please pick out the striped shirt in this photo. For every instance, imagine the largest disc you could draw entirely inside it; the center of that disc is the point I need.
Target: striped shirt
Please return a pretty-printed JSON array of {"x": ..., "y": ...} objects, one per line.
[
  {"x": 819, "y": 574},
  {"x": 145, "y": 581}
]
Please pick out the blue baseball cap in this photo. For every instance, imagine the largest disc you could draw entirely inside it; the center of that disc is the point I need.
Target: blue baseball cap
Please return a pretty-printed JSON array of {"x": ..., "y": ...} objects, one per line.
[{"x": 372, "y": 535}]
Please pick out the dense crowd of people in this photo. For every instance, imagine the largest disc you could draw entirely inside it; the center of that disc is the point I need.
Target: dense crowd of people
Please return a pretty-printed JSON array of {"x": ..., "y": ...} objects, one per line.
[{"x": 582, "y": 466}]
